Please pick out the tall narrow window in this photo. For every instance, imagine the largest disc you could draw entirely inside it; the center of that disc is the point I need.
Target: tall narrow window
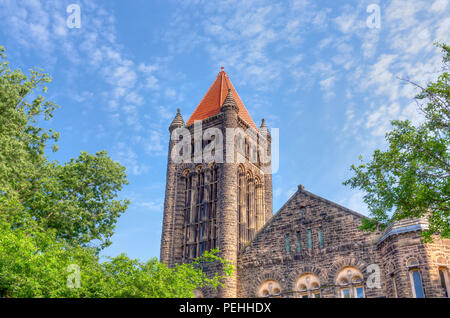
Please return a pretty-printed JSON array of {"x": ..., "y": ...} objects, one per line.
[
  {"x": 394, "y": 286},
  {"x": 309, "y": 239},
  {"x": 299, "y": 244},
  {"x": 242, "y": 208},
  {"x": 259, "y": 215},
  {"x": 199, "y": 214},
  {"x": 212, "y": 215},
  {"x": 187, "y": 213},
  {"x": 250, "y": 206},
  {"x": 416, "y": 281},
  {"x": 320, "y": 234},
  {"x": 444, "y": 280},
  {"x": 288, "y": 243}
]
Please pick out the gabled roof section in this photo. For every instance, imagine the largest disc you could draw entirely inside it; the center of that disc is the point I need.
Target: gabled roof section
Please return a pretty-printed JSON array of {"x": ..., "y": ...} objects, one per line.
[
  {"x": 301, "y": 190},
  {"x": 213, "y": 100}
]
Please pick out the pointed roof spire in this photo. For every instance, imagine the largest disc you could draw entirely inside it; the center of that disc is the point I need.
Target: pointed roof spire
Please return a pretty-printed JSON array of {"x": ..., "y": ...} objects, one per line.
[
  {"x": 177, "y": 121},
  {"x": 213, "y": 100}
]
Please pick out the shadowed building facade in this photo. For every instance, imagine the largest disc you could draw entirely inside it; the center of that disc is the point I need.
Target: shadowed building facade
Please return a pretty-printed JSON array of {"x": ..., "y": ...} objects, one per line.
[{"x": 311, "y": 247}]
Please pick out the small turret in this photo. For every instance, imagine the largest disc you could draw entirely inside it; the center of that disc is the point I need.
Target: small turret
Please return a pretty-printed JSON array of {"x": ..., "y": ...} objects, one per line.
[
  {"x": 168, "y": 230},
  {"x": 229, "y": 103},
  {"x": 263, "y": 129},
  {"x": 177, "y": 122}
]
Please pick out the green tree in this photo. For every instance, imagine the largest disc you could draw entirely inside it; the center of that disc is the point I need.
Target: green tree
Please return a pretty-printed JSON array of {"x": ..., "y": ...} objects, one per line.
[
  {"x": 411, "y": 178},
  {"x": 77, "y": 199},
  {"x": 34, "y": 263}
]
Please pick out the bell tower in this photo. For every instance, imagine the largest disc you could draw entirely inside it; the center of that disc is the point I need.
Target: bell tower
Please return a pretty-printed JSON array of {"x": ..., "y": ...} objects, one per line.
[{"x": 220, "y": 200}]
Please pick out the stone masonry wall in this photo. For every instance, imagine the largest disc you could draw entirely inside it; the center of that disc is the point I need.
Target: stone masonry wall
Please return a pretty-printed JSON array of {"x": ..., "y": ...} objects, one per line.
[
  {"x": 344, "y": 245},
  {"x": 397, "y": 253}
]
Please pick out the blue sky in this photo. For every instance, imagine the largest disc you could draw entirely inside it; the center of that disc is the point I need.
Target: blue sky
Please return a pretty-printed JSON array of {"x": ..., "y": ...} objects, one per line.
[{"x": 313, "y": 69}]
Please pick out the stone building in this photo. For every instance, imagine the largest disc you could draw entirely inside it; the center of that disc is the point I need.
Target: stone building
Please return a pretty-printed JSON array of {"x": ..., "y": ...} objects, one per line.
[{"x": 311, "y": 247}]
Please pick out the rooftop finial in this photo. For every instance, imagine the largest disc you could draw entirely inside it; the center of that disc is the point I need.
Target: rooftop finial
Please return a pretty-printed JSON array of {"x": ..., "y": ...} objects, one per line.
[{"x": 222, "y": 68}]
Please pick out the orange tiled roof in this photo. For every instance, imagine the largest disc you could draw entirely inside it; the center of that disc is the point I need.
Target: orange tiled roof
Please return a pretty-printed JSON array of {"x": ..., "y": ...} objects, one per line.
[{"x": 215, "y": 96}]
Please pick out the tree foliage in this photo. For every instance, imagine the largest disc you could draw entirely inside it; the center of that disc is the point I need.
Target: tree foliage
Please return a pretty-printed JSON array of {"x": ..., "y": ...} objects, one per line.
[
  {"x": 411, "y": 179},
  {"x": 77, "y": 199},
  {"x": 34, "y": 263}
]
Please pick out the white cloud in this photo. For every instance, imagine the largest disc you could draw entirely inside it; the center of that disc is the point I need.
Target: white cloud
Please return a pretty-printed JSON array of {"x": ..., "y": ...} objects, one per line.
[
  {"x": 327, "y": 83},
  {"x": 346, "y": 22},
  {"x": 126, "y": 156},
  {"x": 154, "y": 143},
  {"x": 439, "y": 5}
]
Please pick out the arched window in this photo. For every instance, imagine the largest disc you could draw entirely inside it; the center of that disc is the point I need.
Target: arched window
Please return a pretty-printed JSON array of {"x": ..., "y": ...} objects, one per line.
[
  {"x": 250, "y": 205},
  {"x": 415, "y": 277},
  {"x": 444, "y": 277},
  {"x": 200, "y": 212},
  {"x": 270, "y": 288},
  {"x": 416, "y": 283},
  {"x": 351, "y": 283},
  {"x": 308, "y": 286}
]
